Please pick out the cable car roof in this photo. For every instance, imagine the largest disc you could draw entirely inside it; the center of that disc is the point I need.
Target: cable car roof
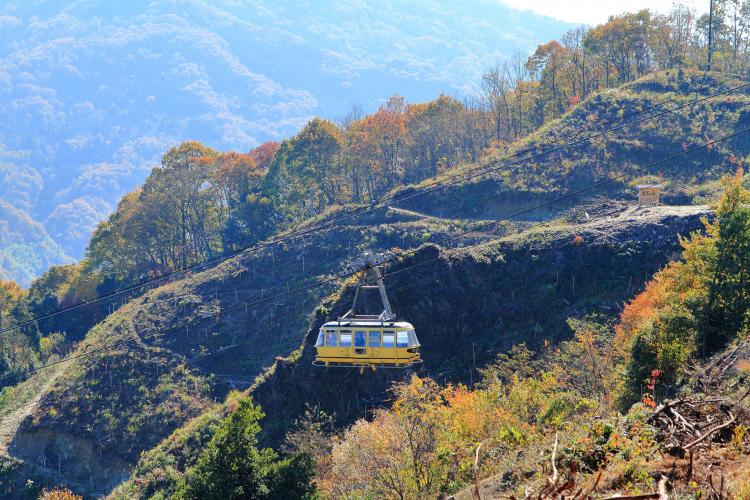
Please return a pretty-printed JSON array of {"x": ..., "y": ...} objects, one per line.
[{"x": 368, "y": 323}]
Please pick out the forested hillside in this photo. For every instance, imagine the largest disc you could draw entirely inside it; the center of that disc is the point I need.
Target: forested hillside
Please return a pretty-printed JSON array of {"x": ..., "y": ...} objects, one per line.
[
  {"x": 94, "y": 92},
  {"x": 134, "y": 371}
]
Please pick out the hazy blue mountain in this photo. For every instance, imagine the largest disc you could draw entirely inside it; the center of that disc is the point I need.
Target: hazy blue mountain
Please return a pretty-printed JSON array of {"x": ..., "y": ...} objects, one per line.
[
  {"x": 26, "y": 251},
  {"x": 92, "y": 93}
]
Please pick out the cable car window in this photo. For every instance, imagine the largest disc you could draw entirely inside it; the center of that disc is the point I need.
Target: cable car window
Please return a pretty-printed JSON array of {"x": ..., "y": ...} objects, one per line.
[
  {"x": 374, "y": 339},
  {"x": 413, "y": 338},
  {"x": 359, "y": 339},
  {"x": 402, "y": 339},
  {"x": 389, "y": 340},
  {"x": 331, "y": 339},
  {"x": 321, "y": 339},
  {"x": 346, "y": 340}
]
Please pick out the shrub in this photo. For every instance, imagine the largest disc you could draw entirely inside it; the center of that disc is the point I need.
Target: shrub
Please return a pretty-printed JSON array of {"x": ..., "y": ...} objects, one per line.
[{"x": 59, "y": 494}]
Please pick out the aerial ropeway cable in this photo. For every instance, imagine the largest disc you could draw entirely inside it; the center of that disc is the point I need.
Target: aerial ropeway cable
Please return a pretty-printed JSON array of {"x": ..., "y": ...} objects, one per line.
[
  {"x": 90, "y": 350},
  {"x": 427, "y": 188},
  {"x": 222, "y": 313}
]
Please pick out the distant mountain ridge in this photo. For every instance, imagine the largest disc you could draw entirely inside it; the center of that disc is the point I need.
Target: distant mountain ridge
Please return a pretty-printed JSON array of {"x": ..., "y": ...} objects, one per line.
[
  {"x": 93, "y": 93},
  {"x": 26, "y": 250}
]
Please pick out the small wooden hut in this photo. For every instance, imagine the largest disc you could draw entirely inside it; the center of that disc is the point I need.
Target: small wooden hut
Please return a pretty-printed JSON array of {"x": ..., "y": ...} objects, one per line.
[{"x": 649, "y": 195}]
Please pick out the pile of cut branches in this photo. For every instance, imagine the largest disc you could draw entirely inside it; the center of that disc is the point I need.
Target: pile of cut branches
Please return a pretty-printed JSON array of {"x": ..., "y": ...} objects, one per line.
[
  {"x": 711, "y": 413},
  {"x": 686, "y": 424}
]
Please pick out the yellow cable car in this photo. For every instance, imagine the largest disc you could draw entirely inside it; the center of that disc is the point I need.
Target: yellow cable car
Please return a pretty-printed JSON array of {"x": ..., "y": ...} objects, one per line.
[
  {"x": 359, "y": 342},
  {"x": 368, "y": 341}
]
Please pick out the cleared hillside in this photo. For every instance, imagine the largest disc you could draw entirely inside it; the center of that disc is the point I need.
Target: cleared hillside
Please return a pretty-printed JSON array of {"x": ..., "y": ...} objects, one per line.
[{"x": 513, "y": 181}]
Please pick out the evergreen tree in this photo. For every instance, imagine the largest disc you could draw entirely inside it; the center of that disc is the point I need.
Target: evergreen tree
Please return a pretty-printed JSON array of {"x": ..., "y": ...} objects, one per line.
[
  {"x": 232, "y": 466},
  {"x": 726, "y": 312}
]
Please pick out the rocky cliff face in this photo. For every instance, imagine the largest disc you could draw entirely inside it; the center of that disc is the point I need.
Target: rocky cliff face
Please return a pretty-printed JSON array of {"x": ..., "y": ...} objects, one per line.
[{"x": 469, "y": 304}]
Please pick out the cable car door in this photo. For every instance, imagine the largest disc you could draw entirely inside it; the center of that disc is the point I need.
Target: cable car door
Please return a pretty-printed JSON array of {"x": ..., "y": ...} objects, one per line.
[
  {"x": 360, "y": 344},
  {"x": 374, "y": 344},
  {"x": 388, "y": 351}
]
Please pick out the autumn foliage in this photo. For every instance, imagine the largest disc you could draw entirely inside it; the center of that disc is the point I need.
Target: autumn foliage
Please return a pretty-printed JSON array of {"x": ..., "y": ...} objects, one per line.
[
  {"x": 694, "y": 306},
  {"x": 59, "y": 494}
]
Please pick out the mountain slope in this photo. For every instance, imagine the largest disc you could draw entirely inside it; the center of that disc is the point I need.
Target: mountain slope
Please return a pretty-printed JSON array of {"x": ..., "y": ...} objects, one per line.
[
  {"x": 513, "y": 180},
  {"x": 139, "y": 393},
  {"x": 26, "y": 250},
  {"x": 533, "y": 282},
  {"x": 182, "y": 355}
]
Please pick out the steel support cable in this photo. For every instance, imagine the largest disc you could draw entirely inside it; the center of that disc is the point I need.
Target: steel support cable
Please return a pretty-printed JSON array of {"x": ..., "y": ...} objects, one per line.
[
  {"x": 431, "y": 187},
  {"x": 336, "y": 277}
]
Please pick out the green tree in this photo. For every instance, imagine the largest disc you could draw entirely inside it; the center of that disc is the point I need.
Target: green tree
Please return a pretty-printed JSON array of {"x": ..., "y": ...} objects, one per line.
[
  {"x": 623, "y": 44},
  {"x": 436, "y": 144},
  {"x": 306, "y": 176},
  {"x": 18, "y": 350},
  {"x": 236, "y": 180},
  {"x": 726, "y": 312},
  {"x": 232, "y": 466},
  {"x": 61, "y": 287},
  {"x": 549, "y": 62},
  {"x": 178, "y": 205},
  {"x": 170, "y": 223},
  {"x": 695, "y": 306},
  {"x": 291, "y": 478}
]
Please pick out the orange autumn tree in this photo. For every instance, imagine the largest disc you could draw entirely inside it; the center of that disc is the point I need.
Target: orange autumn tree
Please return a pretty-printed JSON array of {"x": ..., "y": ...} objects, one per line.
[
  {"x": 425, "y": 445},
  {"x": 435, "y": 143},
  {"x": 548, "y": 63},
  {"x": 59, "y": 494},
  {"x": 658, "y": 329},
  {"x": 674, "y": 319},
  {"x": 263, "y": 154},
  {"x": 382, "y": 139},
  {"x": 419, "y": 447},
  {"x": 397, "y": 454},
  {"x": 10, "y": 293}
]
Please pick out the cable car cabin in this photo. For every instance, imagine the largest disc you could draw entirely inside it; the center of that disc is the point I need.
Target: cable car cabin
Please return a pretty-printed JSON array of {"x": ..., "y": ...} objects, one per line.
[
  {"x": 356, "y": 340},
  {"x": 361, "y": 343}
]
